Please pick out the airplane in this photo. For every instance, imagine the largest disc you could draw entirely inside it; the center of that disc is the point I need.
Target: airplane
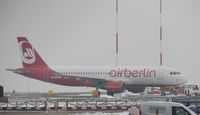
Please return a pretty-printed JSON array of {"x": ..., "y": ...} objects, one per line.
[{"x": 114, "y": 79}]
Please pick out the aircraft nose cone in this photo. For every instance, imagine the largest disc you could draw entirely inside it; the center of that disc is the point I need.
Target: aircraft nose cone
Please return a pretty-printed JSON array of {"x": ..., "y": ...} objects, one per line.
[{"x": 183, "y": 80}]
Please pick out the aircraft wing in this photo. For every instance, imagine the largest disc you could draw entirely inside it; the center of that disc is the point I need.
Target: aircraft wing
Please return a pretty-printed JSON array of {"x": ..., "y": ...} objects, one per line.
[{"x": 98, "y": 82}]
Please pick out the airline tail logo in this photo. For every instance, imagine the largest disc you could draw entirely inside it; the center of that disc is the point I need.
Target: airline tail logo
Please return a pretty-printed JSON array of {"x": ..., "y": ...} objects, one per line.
[{"x": 27, "y": 52}]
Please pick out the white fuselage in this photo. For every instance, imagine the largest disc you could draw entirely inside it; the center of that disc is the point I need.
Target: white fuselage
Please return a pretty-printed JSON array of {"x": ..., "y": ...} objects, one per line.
[{"x": 130, "y": 75}]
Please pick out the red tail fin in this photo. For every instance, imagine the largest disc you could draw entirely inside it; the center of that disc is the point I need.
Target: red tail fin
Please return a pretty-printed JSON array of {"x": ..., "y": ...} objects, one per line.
[{"x": 30, "y": 57}]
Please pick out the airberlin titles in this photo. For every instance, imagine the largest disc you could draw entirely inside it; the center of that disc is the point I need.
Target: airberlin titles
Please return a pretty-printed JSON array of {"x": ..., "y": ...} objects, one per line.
[{"x": 146, "y": 72}]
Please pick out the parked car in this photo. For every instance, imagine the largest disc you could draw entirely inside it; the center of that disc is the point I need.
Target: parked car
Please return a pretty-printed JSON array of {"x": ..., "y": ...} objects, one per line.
[
  {"x": 195, "y": 109},
  {"x": 160, "y": 108}
]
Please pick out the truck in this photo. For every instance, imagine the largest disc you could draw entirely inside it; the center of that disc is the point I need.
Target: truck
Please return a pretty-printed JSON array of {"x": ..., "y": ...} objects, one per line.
[
  {"x": 191, "y": 90},
  {"x": 160, "y": 108}
]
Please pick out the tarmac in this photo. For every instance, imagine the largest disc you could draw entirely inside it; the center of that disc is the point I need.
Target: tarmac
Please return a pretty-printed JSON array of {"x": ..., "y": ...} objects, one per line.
[{"x": 63, "y": 113}]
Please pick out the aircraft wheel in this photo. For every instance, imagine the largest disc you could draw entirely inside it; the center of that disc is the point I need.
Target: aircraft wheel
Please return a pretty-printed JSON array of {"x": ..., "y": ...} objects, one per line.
[{"x": 110, "y": 93}]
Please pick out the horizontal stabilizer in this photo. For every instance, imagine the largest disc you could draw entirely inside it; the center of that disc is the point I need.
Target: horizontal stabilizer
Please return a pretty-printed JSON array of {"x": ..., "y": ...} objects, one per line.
[{"x": 20, "y": 71}]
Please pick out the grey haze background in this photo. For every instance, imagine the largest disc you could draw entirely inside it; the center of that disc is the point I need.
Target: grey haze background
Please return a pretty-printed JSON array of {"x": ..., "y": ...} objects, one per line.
[{"x": 82, "y": 32}]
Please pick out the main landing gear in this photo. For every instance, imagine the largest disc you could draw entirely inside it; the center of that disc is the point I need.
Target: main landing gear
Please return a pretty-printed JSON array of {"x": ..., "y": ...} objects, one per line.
[{"x": 110, "y": 93}]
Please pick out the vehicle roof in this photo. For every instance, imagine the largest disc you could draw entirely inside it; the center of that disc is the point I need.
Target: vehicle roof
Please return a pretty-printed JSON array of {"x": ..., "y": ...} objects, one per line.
[{"x": 159, "y": 103}]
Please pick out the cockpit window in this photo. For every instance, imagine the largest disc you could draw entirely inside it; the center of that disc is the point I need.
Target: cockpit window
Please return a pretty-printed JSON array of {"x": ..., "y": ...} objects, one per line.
[{"x": 175, "y": 73}]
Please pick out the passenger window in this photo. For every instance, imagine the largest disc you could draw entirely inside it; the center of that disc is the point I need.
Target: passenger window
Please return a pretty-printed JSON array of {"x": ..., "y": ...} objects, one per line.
[{"x": 179, "y": 111}]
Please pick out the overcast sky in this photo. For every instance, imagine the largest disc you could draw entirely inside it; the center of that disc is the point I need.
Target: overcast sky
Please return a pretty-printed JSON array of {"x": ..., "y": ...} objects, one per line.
[{"x": 82, "y": 32}]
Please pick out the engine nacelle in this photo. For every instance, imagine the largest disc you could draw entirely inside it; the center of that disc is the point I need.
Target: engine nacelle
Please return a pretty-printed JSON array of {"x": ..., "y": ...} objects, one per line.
[
  {"x": 135, "y": 89},
  {"x": 115, "y": 87}
]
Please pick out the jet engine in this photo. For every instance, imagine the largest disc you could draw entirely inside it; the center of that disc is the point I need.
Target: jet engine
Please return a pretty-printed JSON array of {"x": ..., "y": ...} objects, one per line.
[
  {"x": 135, "y": 89},
  {"x": 114, "y": 87}
]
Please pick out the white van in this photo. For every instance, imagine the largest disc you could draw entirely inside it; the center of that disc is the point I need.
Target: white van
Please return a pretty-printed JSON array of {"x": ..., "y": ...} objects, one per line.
[{"x": 160, "y": 108}]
